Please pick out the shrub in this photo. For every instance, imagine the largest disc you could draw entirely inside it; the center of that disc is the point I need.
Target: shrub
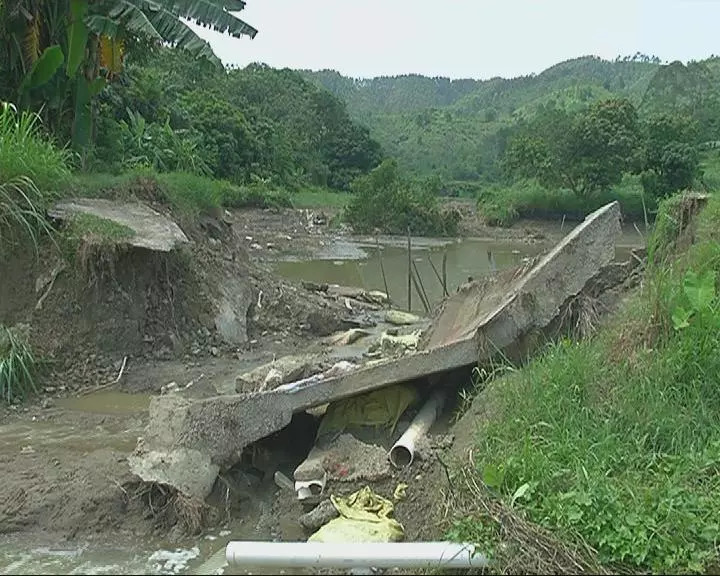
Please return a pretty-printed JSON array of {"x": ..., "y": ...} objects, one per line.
[
  {"x": 503, "y": 205},
  {"x": 187, "y": 193},
  {"x": 31, "y": 167},
  {"x": 384, "y": 201},
  {"x": 256, "y": 195}
]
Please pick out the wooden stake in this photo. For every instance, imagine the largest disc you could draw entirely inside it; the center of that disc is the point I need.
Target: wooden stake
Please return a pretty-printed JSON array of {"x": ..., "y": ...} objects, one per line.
[
  {"x": 444, "y": 273},
  {"x": 417, "y": 288},
  {"x": 409, "y": 291},
  {"x": 423, "y": 294},
  {"x": 437, "y": 275},
  {"x": 382, "y": 267}
]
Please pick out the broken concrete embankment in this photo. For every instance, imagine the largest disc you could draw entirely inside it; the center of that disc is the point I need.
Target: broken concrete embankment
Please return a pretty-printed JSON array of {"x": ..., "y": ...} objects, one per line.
[{"x": 472, "y": 326}]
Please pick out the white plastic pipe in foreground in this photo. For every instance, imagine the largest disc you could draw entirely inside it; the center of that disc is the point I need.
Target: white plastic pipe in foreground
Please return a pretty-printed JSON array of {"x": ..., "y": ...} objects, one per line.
[
  {"x": 354, "y": 555},
  {"x": 402, "y": 453}
]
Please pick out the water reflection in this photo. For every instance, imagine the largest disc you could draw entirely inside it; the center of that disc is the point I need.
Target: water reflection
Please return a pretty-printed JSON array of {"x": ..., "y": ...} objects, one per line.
[{"x": 465, "y": 258}]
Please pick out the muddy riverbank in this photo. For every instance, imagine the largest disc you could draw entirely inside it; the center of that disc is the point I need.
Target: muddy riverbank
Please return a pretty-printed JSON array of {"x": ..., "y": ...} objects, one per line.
[{"x": 66, "y": 503}]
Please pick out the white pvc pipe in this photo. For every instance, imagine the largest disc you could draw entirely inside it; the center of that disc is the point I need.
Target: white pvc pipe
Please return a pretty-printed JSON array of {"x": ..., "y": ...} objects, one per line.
[
  {"x": 402, "y": 453},
  {"x": 354, "y": 555},
  {"x": 309, "y": 488}
]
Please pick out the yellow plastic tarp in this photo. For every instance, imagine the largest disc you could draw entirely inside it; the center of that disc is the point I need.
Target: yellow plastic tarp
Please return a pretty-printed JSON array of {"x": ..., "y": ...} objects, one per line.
[
  {"x": 380, "y": 408},
  {"x": 364, "y": 517}
]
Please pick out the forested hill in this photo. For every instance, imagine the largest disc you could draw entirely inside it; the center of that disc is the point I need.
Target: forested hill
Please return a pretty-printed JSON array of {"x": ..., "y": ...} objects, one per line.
[
  {"x": 459, "y": 128},
  {"x": 413, "y": 92}
]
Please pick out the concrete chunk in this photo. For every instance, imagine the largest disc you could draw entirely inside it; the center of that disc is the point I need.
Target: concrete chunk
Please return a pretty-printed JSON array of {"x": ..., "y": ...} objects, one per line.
[
  {"x": 472, "y": 326},
  {"x": 152, "y": 230}
]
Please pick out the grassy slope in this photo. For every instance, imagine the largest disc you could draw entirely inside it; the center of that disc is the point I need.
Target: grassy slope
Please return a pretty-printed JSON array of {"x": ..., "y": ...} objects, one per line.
[
  {"x": 615, "y": 440},
  {"x": 192, "y": 195}
]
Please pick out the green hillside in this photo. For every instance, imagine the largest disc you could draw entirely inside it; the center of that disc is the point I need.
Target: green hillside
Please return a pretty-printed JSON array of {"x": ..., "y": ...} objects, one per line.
[{"x": 459, "y": 128}]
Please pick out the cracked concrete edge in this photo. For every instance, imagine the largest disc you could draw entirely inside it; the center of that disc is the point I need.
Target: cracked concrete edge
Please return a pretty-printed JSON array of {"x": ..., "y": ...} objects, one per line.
[{"x": 223, "y": 426}]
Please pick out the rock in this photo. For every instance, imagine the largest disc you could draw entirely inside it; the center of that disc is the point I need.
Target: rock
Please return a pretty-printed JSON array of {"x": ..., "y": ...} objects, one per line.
[
  {"x": 392, "y": 345},
  {"x": 273, "y": 379},
  {"x": 214, "y": 351},
  {"x": 314, "y": 287},
  {"x": 319, "y": 516},
  {"x": 345, "y": 459},
  {"x": 189, "y": 471},
  {"x": 281, "y": 371},
  {"x": 169, "y": 388},
  {"x": 377, "y": 297},
  {"x": 347, "y": 337},
  {"x": 399, "y": 318},
  {"x": 232, "y": 310},
  {"x": 324, "y": 322}
]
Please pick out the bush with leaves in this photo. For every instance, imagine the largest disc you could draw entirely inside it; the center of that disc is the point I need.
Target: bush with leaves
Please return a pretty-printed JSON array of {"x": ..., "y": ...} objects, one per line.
[
  {"x": 585, "y": 151},
  {"x": 158, "y": 146},
  {"x": 670, "y": 161},
  {"x": 384, "y": 201}
]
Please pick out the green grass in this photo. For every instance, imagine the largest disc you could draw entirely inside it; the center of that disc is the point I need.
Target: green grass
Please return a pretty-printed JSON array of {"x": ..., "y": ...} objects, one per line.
[
  {"x": 18, "y": 367},
  {"x": 615, "y": 441},
  {"x": 91, "y": 226},
  {"x": 319, "y": 198},
  {"x": 26, "y": 153},
  {"x": 31, "y": 168},
  {"x": 190, "y": 195},
  {"x": 502, "y": 206}
]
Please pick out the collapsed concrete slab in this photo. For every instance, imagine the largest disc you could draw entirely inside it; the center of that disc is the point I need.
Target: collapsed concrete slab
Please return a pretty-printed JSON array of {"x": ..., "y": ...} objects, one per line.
[
  {"x": 472, "y": 326},
  {"x": 151, "y": 230}
]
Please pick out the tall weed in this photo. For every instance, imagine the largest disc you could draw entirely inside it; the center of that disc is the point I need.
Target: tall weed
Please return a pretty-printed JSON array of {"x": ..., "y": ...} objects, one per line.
[
  {"x": 18, "y": 367},
  {"x": 26, "y": 152}
]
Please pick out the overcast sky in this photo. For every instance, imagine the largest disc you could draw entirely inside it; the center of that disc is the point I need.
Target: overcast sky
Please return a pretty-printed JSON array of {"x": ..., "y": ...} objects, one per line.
[{"x": 466, "y": 38}]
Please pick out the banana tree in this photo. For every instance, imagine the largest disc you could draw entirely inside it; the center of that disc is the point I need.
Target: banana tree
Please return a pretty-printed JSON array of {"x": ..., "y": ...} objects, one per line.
[
  {"x": 99, "y": 29},
  {"x": 89, "y": 37}
]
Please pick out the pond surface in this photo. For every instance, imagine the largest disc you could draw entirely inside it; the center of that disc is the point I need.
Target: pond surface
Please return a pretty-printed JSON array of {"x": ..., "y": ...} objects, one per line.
[{"x": 359, "y": 263}]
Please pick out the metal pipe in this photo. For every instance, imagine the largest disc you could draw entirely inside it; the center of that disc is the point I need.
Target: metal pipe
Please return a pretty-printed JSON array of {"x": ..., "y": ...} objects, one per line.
[
  {"x": 354, "y": 555},
  {"x": 402, "y": 453}
]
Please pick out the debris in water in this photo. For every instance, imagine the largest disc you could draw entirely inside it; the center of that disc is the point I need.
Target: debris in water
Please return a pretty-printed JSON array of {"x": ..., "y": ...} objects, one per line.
[
  {"x": 173, "y": 562},
  {"x": 399, "y": 318},
  {"x": 348, "y": 337}
]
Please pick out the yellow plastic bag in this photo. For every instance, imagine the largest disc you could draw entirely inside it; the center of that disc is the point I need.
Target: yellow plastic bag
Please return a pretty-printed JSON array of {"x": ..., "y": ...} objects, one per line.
[
  {"x": 364, "y": 517},
  {"x": 381, "y": 408}
]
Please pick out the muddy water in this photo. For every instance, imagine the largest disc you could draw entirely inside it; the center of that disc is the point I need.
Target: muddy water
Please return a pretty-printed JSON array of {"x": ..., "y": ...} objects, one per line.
[
  {"x": 358, "y": 263},
  {"x": 122, "y": 554}
]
